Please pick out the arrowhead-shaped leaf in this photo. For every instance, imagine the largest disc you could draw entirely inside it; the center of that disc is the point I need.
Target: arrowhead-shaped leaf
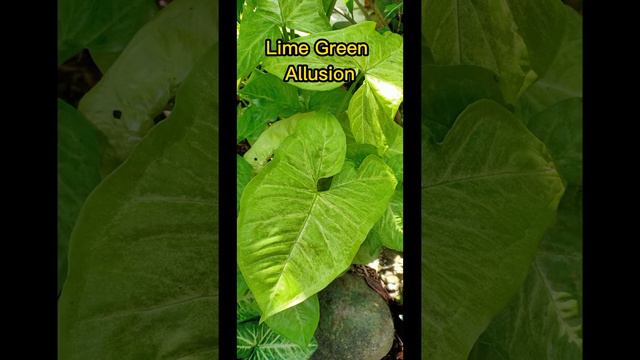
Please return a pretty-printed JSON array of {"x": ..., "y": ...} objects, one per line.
[
  {"x": 489, "y": 192},
  {"x": 267, "y": 20},
  {"x": 294, "y": 238}
]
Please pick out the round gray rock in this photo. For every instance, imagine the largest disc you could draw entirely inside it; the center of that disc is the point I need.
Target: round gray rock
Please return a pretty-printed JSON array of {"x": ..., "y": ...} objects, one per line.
[{"x": 355, "y": 322}]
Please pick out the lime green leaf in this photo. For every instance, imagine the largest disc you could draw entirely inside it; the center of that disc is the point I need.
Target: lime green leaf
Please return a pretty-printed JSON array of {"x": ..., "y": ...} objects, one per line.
[
  {"x": 384, "y": 63},
  {"x": 287, "y": 253},
  {"x": 388, "y": 231},
  {"x": 245, "y": 172},
  {"x": 297, "y": 323},
  {"x": 374, "y": 105},
  {"x": 146, "y": 76},
  {"x": 78, "y": 174},
  {"x": 484, "y": 211},
  {"x": 99, "y": 25},
  {"x": 143, "y": 263},
  {"x": 369, "y": 250},
  {"x": 262, "y": 150},
  {"x": 266, "y": 20},
  {"x": 371, "y": 118},
  {"x": 258, "y": 342}
]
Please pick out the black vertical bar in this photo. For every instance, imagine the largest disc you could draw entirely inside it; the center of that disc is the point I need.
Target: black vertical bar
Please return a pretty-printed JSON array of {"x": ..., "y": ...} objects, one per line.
[
  {"x": 412, "y": 180},
  {"x": 227, "y": 179}
]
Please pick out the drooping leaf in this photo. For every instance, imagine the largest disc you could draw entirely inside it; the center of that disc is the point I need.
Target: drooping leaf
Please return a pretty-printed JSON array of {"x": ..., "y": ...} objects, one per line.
[
  {"x": 78, "y": 174},
  {"x": 147, "y": 74},
  {"x": 372, "y": 108},
  {"x": 143, "y": 257},
  {"x": 267, "y": 20},
  {"x": 293, "y": 238},
  {"x": 99, "y": 25},
  {"x": 244, "y": 171},
  {"x": 544, "y": 320},
  {"x": 448, "y": 90},
  {"x": 489, "y": 192},
  {"x": 258, "y": 342}
]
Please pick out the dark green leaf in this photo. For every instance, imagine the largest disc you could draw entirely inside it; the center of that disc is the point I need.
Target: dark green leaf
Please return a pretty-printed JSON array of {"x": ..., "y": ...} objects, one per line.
[
  {"x": 563, "y": 78},
  {"x": 103, "y": 26},
  {"x": 245, "y": 173},
  {"x": 448, "y": 90},
  {"x": 146, "y": 76},
  {"x": 78, "y": 174}
]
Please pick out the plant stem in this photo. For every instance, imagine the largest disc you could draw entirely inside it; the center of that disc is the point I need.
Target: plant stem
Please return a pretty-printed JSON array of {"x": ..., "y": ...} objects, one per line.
[
  {"x": 285, "y": 33},
  {"x": 344, "y": 15},
  {"x": 350, "y": 92},
  {"x": 380, "y": 19}
]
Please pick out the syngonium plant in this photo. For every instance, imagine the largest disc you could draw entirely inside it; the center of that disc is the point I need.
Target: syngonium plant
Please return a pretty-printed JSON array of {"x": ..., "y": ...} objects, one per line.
[{"x": 320, "y": 186}]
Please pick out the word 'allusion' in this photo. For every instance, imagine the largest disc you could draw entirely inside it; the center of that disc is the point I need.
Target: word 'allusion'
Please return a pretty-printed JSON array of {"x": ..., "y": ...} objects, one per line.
[{"x": 322, "y": 47}]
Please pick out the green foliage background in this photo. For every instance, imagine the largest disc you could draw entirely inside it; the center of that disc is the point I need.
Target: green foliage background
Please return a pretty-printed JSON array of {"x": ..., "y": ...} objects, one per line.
[{"x": 502, "y": 180}]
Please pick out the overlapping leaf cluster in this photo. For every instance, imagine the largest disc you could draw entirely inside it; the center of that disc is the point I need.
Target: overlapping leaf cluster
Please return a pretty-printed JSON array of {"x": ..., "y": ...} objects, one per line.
[
  {"x": 138, "y": 230},
  {"x": 501, "y": 180},
  {"x": 320, "y": 186}
]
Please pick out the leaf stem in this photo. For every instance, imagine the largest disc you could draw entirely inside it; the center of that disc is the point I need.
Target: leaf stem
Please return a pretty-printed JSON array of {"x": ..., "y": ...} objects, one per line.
[
  {"x": 380, "y": 19},
  {"x": 345, "y": 15},
  {"x": 350, "y": 92}
]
